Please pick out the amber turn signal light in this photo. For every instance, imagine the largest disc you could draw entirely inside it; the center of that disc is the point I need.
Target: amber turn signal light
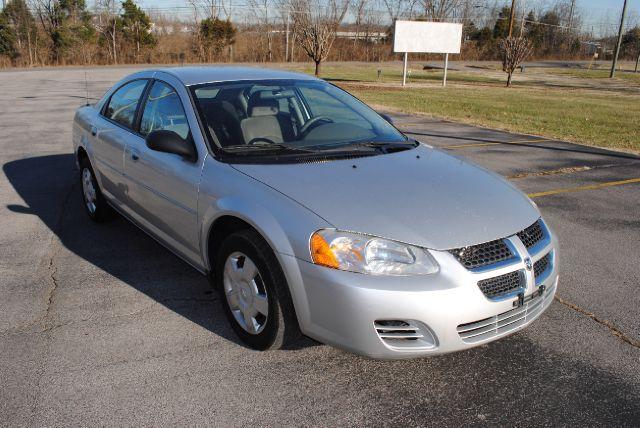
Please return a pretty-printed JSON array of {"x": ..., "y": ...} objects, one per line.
[{"x": 321, "y": 252}]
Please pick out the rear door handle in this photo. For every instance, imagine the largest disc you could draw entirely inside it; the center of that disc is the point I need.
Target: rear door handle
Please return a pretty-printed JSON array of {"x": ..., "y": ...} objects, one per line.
[
  {"x": 94, "y": 131},
  {"x": 135, "y": 155}
]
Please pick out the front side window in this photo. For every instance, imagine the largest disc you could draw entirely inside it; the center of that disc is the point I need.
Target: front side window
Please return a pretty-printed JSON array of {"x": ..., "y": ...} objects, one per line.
[
  {"x": 124, "y": 102},
  {"x": 305, "y": 115},
  {"x": 163, "y": 111}
]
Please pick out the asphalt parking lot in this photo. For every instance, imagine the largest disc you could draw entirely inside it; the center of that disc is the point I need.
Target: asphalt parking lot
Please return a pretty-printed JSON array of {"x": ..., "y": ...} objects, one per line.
[{"x": 100, "y": 325}]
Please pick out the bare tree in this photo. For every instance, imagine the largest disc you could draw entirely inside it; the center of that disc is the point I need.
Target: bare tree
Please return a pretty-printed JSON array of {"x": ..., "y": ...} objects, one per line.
[
  {"x": 359, "y": 7},
  {"x": 315, "y": 24},
  {"x": 514, "y": 50},
  {"x": 107, "y": 24},
  {"x": 208, "y": 8},
  {"x": 260, "y": 12},
  {"x": 399, "y": 8},
  {"x": 440, "y": 10}
]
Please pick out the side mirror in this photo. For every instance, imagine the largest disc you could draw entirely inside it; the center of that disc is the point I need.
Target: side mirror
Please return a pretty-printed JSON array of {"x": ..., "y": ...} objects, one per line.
[
  {"x": 386, "y": 117},
  {"x": 170, "y": 142}
]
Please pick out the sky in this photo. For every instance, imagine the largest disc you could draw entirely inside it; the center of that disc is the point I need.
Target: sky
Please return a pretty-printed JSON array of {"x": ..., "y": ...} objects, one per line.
[{"x": 607, "y": 12}]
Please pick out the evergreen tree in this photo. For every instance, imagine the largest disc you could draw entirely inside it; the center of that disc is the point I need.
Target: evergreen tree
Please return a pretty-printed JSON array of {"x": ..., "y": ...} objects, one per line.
[
  {"x": 67, "y": 23},
  {"x": 534, "y": 31},
  {"x": 501, "y": 28},
  {"x": 7, "y": 38},
  {"x": 631, "y": 43},
  {"x": 136, "y": 27},
  {"x": 24, "y": 28},
  {"x": 213, "y": 36}
]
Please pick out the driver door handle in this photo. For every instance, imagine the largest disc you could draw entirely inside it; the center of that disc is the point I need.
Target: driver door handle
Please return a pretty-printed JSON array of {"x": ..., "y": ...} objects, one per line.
[{"x": 94, "y": 131}]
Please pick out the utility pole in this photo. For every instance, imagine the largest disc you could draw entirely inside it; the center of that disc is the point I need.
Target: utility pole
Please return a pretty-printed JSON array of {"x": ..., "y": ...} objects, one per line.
[
  {"x": 512, "y": 16},
  {"x": 617, "y": 52}
]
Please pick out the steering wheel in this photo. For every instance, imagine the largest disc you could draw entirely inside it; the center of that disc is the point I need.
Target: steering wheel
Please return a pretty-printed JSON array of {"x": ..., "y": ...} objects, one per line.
[
  {"x": 313, "y": 122},
  {"x": 261, "y": 141}
]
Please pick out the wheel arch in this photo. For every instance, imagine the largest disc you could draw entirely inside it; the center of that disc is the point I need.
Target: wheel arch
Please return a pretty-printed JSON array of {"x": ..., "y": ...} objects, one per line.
[
  {"x": 81, "y": 154},
  {"x": 218, "y": 231}
]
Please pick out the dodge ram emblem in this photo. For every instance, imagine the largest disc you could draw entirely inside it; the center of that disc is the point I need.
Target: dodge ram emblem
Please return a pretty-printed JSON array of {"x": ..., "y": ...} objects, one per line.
[{"x": 528, "y": 264}]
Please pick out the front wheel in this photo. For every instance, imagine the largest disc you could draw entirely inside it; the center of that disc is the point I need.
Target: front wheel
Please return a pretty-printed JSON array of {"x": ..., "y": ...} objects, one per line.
[{"x": 255, "y": 293}]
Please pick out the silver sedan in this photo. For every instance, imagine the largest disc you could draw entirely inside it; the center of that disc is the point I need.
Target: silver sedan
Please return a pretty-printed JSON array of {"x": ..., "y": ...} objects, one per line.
[{"x": 312, "y": 214}]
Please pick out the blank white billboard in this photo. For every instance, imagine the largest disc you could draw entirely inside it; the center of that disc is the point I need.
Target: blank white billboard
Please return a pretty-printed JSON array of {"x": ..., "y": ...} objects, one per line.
[{"x": 427, "y": 37}]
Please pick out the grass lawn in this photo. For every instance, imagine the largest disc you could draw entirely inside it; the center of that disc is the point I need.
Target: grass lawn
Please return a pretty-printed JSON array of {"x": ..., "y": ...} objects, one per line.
[
  {"x": 602, "y": 115},
  {"x": 624, "y": 76},
  {"x": 585, "y": 116},
  {"x": 390, "y": 73}
]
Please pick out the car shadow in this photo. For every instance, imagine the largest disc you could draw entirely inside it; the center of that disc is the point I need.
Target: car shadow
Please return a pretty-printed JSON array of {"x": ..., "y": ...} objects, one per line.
[{"x": 50, "y": 188}]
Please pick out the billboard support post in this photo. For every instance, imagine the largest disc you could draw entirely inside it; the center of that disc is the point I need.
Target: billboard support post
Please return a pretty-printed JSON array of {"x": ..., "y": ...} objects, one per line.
[
  {"x": 446, "y": 65},
  {"x": 404, "y": 69}
]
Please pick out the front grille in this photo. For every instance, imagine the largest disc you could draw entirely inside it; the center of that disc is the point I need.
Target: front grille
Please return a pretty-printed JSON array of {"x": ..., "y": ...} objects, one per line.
[
  {"x": 401, "y": 334},
  {"x": 503, "y": 284},
  {"x": 481, "y": 255},
  {"x": 505, "y": 322},
  {"x": 541, "y": 266},
  {"x": 531, "y": 235}
]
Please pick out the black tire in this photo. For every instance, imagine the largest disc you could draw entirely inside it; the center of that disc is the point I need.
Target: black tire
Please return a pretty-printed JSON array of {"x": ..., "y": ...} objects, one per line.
[
  {"x": 101, "y": 210},
  {"x": 281, "y": 326}
]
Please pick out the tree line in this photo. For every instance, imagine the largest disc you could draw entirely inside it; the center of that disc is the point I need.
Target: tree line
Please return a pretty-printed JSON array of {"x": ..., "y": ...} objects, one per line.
[{"x": 67, "y": 32}]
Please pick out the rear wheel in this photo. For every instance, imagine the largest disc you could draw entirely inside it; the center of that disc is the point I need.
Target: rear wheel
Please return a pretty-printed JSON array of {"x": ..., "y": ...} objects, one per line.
[
  {"x": 255, "y": 293},
  {"x": 94, "y": 203}
]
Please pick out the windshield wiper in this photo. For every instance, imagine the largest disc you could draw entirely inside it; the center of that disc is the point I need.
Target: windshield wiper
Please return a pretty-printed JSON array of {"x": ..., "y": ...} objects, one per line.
[
  {"x": 380, "y": 146},
  {"x": 250, "y": 149}
]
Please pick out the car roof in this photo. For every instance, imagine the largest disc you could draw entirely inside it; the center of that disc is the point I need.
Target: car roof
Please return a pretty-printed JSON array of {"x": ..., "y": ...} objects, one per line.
[{"x": 195, "y": 75}]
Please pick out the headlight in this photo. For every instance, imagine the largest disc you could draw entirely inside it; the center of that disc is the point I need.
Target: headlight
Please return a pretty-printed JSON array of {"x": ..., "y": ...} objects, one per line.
[{"x": 367, "y": 254}]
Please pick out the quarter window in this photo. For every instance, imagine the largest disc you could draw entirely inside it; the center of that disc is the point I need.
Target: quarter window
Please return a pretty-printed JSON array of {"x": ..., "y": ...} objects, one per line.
[
  {"x": 163, "y": 110},
  {"x": 124, "y": 102}
]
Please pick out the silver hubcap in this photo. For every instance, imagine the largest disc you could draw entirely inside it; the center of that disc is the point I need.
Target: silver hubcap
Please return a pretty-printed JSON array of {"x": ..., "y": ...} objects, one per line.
[
  {"x": 245, "y": 292},
  {"x": 88, "y": 190}
]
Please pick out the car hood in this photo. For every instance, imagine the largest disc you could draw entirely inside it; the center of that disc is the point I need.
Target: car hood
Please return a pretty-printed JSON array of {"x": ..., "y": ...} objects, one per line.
[{"x": 422, "y": 196}]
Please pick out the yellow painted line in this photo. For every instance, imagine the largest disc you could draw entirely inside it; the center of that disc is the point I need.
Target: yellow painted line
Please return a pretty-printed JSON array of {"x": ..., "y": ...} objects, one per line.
[
  {"x": 494, "y": 143},
  {"x": 581, "y": 188}
]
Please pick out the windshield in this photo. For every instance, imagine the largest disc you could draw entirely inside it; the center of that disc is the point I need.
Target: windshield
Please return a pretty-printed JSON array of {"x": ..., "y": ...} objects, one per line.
[{"x": 307, "y": 116}]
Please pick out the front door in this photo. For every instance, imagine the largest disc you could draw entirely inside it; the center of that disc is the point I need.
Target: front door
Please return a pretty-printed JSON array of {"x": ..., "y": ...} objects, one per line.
[{"x": 163, "y": 189}]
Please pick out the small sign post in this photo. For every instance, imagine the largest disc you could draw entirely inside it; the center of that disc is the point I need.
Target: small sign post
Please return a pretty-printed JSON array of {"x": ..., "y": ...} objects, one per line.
[{"x": 426, "y": 37}]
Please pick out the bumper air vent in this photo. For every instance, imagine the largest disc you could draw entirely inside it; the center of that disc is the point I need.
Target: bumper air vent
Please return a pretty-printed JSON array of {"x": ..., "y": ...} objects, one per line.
[{"x": 399, "y": 334}]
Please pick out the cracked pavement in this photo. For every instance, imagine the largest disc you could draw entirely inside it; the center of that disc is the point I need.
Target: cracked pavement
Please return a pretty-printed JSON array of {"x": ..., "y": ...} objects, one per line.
[{"x": 100, "y": 325}]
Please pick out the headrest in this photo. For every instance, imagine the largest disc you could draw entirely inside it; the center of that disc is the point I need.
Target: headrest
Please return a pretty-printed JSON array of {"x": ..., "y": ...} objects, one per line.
[{"x": 258, "y": 105}]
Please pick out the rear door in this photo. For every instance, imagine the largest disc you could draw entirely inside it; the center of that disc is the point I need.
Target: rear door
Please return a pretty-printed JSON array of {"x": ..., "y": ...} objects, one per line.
[
  {"x": 163, "y": 187},
  {"x": 113, "y": 128}
]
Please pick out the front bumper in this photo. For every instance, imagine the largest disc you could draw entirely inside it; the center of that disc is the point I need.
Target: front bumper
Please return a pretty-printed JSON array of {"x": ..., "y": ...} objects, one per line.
[{"x": 446, "y": 309}]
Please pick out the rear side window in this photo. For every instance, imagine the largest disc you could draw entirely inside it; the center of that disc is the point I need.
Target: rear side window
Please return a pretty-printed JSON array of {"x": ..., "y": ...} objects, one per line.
[
  {"x": 124, "y": 102},
  {"x": 163, "y": 110}
]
